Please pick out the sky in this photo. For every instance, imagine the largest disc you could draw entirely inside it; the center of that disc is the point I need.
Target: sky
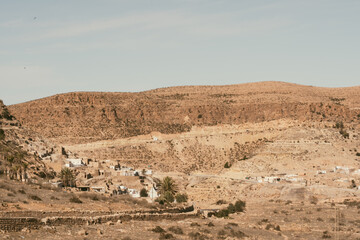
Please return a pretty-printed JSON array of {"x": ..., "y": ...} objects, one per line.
[{"x": 57, "y": 46}]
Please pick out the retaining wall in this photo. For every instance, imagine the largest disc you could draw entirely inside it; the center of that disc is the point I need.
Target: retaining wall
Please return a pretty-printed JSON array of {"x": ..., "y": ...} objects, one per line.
[{"x": 17, "y": 223}]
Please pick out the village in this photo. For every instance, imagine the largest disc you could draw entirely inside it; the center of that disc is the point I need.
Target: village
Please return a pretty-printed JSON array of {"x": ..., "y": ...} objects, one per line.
[
  {"x": 339, "y": 176},
  {"x": 109, "y": 178}
]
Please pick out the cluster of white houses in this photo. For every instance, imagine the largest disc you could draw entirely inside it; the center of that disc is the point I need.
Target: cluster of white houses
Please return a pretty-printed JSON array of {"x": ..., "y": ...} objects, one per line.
[
  {"x": 301, "y": 178},
  {"x": 106, "y": 168}
]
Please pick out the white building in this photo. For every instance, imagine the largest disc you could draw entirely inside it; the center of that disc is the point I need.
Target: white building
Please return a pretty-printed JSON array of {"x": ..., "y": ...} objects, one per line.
[
  {"x": 134, "y": 193},
  {"x": 153, "y": 194},
  {"x": 74, "y": 162},
  {"x": 341, "y": 169}
]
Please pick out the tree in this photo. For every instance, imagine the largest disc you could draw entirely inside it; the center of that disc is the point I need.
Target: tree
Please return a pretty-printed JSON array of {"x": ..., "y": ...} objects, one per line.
[
  {"x": 143, "y": 193},
  {"x": 168, "y": 185},
  {"x": 168, "y": 189},
  {"x": 67, "y": 177}
]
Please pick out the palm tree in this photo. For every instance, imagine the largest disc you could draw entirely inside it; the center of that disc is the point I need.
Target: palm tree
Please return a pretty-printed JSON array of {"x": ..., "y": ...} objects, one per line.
[
  {"x": 67, "y": 177},
  {"x": 168, "y": 185}
]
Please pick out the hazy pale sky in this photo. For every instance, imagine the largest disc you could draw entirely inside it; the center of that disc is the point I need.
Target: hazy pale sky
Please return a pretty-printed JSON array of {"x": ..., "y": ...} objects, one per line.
[{"x": 49, "y": 47}]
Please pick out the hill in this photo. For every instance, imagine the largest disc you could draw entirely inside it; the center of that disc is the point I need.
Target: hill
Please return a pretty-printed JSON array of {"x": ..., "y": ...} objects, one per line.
[
  {"x": 16, "y": 162},
  {"x": 83, "y": 117}
]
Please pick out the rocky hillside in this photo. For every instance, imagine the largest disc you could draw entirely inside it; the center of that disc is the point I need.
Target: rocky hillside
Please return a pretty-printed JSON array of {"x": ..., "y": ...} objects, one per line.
[
  {"x": 82, "y": 117},
  {"x": 17, "y": 161}
]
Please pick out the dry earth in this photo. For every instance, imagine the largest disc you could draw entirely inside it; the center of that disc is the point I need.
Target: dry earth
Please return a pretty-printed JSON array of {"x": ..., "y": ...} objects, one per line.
[{"x": 262, "y": 131}]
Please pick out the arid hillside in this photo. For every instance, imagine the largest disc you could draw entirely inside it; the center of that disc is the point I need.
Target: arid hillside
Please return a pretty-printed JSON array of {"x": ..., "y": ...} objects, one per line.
[
  {"x": 16, "y": 161},
  {"x": 84, "y": 117}
]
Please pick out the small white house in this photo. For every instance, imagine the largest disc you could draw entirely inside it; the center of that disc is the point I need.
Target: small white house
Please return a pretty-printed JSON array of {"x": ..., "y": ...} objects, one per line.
[
  {"x": 341, "y": 169},
  {"x": 321, "y": 172},
  {"x": 74, "y": 162},
  {"x": 153, "y": 193},
  {"x": 134, "y": 193},
  {"x": 98, "y": 189}
]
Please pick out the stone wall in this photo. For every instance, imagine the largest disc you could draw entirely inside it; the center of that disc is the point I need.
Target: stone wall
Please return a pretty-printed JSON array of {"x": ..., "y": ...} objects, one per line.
[{"x": 17, "y": 222}]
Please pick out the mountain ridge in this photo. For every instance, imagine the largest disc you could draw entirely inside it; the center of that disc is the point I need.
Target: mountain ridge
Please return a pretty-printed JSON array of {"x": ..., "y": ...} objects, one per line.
[{"x": 92, "y": 116}]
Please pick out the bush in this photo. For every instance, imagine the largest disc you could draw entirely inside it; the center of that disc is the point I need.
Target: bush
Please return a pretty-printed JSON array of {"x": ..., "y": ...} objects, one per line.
[
  {"x": 22, "y": 191},
  {"x": 197, "y": 236},
  {"x": 166, "y": 236},
  {"x": 176, "y": 230},
  {"x": 339, "y": 125},
  {"x": 358, "y": 154},
  {"x": 344, "y": 133},
  {"x": 220, "y": 202},
  {"x": 6, "y": 114},
  {"x": 326, "y": 235},
  {"x": 75, "y": 199},
  {"x": 194, "y": 224},
  {"x": 160, "y": 201},
  {"x": 210, "y": 224},
  {"x": 181, "y": 198},
  {"x": 158, "y": 229},
  {"x": 36, "y": 198},
  {"x": 143, "y": 193},
  {"x": 2, "y": 134},
  {"x": 168, "y": 197},
  {"x": 231, "y": 208},
  {"x": 222, "y": 213},
  {"x": 240, "y": 206},
  {"x": 227, "y": 165}
]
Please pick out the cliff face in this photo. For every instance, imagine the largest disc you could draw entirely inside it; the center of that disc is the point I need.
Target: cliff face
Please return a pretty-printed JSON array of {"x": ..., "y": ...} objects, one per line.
[{"x": 91, "y": 116}]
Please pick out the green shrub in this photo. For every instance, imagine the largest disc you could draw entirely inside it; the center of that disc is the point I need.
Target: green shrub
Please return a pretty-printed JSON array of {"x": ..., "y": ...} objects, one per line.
[
  {"x": 231, "y": 208},
  {"x": 222, "y": 213},
  {"x": 358, "y": 154},
  {"x": 168, "y": 197},
  {"x": 227, "y": 165},
  {"x": 143, "y": 193},
  {"x": 181, "y": 198},
  {"x": 240, "y": 206}
]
